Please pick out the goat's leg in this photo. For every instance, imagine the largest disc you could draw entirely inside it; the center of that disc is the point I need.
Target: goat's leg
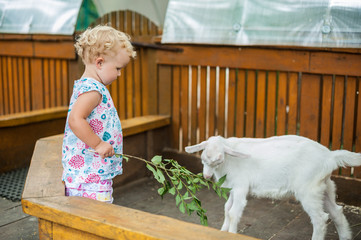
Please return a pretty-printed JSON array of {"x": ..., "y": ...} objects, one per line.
[
  {"x": 227, "y": 207},
  {"x": 236, "y": 209},
  {"x": 312, "y": 203},
  {"x": 336, "y": 212}
]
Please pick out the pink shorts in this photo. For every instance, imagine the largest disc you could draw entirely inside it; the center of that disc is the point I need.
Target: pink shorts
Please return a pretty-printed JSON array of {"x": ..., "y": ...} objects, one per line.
[{"x": 101, "y": 191}]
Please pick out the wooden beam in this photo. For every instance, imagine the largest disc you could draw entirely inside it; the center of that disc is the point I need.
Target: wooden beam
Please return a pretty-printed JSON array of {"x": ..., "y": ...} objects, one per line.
[
  {"x": 41, "y": 49},
  {"x": 237, "y": 57},
  {"x": 335, "y": 63},
  {"x": 38, "y": 37},
  {"x": 17, "y": 119},
  {"x": 144, "y": 123},
  {"x": 265, "y": 58}
]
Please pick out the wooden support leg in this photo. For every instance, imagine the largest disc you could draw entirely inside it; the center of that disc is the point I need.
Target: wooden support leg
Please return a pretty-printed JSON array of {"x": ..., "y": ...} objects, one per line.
[{"x": 45, "y": 229}]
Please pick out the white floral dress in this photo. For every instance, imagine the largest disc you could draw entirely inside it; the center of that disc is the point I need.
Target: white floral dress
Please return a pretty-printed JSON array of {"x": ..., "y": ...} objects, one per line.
[{"x": 81, "y": 165}]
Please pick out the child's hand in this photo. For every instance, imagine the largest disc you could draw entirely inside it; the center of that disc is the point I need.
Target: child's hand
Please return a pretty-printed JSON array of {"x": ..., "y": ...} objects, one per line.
[{"x": 104, "y": 149}]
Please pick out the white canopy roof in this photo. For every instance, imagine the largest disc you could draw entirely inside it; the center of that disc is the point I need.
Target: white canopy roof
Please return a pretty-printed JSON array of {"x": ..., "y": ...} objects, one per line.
[
  {"x": 323, "y": 23},
  {"x": 319, "y": 23},
  {"x": 39, "y": 16}
]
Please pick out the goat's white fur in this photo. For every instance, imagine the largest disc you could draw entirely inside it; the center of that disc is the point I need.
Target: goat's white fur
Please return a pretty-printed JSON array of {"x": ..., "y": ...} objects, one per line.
[{"x": 278, "y": 167}]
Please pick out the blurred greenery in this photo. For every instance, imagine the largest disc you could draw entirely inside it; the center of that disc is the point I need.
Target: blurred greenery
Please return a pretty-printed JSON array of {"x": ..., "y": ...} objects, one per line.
[{"x": 87, "y": 14}]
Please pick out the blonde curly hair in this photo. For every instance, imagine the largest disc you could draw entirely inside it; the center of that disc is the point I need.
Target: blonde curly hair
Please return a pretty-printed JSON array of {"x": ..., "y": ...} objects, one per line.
[{"x": 102, "y": 41}]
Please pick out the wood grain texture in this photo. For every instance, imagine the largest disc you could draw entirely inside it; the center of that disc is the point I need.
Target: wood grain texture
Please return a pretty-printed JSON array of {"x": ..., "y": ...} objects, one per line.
[{"x": 101, "y": 220}]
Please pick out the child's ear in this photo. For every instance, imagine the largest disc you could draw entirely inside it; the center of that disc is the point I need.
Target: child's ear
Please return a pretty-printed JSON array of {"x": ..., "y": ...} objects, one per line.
[{"x": 99, "y": 62}]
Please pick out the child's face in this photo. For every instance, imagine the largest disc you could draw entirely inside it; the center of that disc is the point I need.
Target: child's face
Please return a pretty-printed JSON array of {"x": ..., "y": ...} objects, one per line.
[{"x": 110, "y": 66}]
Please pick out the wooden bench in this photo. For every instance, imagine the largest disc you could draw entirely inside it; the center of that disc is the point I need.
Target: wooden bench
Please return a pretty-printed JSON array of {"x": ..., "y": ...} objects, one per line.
[{"x": 62, "y": 217}]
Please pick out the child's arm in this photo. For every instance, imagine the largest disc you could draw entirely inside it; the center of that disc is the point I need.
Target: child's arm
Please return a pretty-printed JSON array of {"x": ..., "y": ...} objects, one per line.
[{"x": 82, "y": 107}]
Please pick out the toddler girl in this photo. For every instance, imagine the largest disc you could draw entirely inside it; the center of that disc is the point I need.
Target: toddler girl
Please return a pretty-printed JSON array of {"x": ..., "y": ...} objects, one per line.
[{"x": 93, "y": 133}]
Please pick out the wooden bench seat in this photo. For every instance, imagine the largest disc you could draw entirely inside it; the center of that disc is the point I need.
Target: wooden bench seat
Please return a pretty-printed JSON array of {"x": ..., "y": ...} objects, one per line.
[{"x": 63, "y": 217}]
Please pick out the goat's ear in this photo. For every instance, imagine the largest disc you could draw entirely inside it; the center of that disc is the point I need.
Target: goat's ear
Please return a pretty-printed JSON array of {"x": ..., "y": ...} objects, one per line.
[
  {"x": 235, "y": 153},
  {"x": 196, "y": 148}
]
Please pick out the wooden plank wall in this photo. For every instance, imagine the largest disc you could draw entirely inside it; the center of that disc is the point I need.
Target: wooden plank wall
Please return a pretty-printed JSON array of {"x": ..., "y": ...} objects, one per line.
[
  {"x": 38, "y": 71},
  {"x": 28, "y": 84},
  {"x": 255, "y": 92},
  {"x": 34, "y": 72}
]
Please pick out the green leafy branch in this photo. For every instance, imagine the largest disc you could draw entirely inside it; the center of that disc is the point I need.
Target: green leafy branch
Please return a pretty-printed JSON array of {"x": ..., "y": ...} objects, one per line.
[{"x": 182, "y": 184}]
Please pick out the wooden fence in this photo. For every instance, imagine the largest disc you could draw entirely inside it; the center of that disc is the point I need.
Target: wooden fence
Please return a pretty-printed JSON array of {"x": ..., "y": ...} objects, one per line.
[
  {"x": 34, "y": 72},
  {"x": 38, "y": 71},
  {"x": 208, "y": 90},
  {"x": 262, "y": 92}
]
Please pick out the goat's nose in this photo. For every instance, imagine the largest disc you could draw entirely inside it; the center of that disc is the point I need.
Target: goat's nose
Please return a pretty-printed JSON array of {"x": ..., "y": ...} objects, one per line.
[{"x": 207, "y": 176}]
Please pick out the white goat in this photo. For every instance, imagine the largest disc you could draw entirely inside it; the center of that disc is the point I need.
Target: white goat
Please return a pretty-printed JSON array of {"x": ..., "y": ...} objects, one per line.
[{"x": 278, "y": 167}]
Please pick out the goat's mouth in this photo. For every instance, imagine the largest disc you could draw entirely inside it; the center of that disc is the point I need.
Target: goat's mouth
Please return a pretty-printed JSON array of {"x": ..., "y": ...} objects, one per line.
[{"x": 208, "y": 177}]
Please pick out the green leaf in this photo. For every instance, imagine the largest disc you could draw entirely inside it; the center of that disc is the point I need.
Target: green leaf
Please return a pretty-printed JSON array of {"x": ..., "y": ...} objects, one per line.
[
  {"x": 160, "y": 176},
  {"x": 156, "y": 175},
  {"x": 172, "y": 190},
  {"x": 204, "y": 183},
  {"x": 152, "y": 170},
  {"x": 157, "y": 160},
  {"x": 196, "y": 180},
  {"x": 224, "y": 195},
  {"x": 180, "y": 185},
  {"x": 204, "y": 220},
  {"x": 175, "y": 182},
  {"x": 221, "y": 180},
  {"x": 177, "y": 200},
  {"x": 219, "y": 193},
  {"x": 182, "y": 208},
  {"x": 196, "y": 201},
  {"x": 185, "y": 196},
  {"x": 192, "y": 206},
  {"x": 225, "y": 192},
  {"x": 192, "y": 188},
  {"x": 161, "y": 191}
]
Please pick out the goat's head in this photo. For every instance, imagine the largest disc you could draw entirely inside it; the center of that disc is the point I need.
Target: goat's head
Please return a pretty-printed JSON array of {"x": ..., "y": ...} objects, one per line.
[{"x": 214, "y": 150}]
